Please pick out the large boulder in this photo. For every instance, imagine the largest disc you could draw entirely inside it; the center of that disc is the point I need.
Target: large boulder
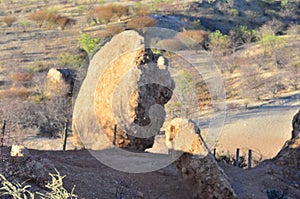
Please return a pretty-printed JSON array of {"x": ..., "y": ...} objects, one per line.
[
  {"x": 296, "y": 125},
  {"x": 123, "y": 87}
]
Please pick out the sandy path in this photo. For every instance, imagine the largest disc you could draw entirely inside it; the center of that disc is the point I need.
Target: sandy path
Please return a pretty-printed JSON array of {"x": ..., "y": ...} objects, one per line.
[{"x": 263, "y": 130}]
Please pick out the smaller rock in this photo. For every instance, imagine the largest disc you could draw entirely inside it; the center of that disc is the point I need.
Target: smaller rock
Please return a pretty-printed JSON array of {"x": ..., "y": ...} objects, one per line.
[
  {"x": 18, "y": 151},
  {"x": 162, "y": 63},
  {"x": 140, "y": 194},
  {"x": 184, "y": 135}
]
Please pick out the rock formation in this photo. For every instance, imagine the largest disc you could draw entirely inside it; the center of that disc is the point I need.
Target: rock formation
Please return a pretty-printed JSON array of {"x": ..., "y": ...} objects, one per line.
[
  {"x": 126, "y": 87},
  {"x": 204, "y": 177},
  {"x": 183, "y": 135},
  {"x": 196, "y": 167},
  {"x": 296, "y": 125},
  {"x": 60, "y": 81}
]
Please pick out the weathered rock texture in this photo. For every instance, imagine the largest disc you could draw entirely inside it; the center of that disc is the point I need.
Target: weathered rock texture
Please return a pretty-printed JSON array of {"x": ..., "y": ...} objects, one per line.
[
  {"x": 296, "y": 125},
  {"x": 21, "y": 165},
  {"x": 201, "y": 174},
  {"x": 183, "y": 135},
  {"x": 123, "y": 86},
  {"x": 289, "y": 155},
  {"x": 204, "y": 177},
  {"x": 60, "y": 81},
  {"x": 18, "y": 151}
]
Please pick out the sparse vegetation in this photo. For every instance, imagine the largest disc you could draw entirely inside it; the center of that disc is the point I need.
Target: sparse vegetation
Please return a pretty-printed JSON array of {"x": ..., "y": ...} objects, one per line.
[
  {"x": 19, "y": 191},
  {"x": 141, "y": 22},
  {"x": 105, "y": 13},
  {"x": 50, "y": 18},
  {"x": 9, "y": 20},
  {"x": 88, "y": 43},
  {"x": 70, "y": 60},
  {"x": 255, "y": 45},
  {"x": 199, "y": 36},
  {"x": 219, "y": 43},
  {"x": 14, "y": 190},
  {"x": 242, "y": 35}
]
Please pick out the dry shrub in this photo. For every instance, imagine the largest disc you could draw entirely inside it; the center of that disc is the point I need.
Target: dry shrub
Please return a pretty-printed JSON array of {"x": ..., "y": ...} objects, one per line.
[
  {"x": 9, "y": 20},
  {"x": 166, "y": 7},
  {"x": 50, "y": 19},
  {"x": 199, "y": 36},
  {"x": 171, "y": 45},
  {"x": 115, "y": 29},
  {"x": 120, "y": 10},
  {"x": 110, "y": 31},
  {"x": 41, "y": 16},
  {"x": 143, "y": 11},
  {"x": 20, "y": 77},
  {"x": 141, "y": 22},
  {"x": 62, "y": 22},
  {"x": 104, "y": 14},
  {"x": 15, "y": 92}
]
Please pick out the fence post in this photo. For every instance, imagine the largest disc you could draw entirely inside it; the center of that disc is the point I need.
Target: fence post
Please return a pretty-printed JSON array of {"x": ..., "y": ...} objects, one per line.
[
  {"x": 214, "y": 153},
  {"x": 237, "y": 157},
  {"x": 3, "y": 132},
  {"x": 249, "y": 158},
  {"x": 66, "y": 136},
  {"x": 115, "y": 134}
]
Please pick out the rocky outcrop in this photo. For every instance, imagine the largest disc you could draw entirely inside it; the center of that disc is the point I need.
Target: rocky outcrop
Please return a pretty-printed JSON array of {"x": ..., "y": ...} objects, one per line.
[
  {"x": 126, "y": 87},
  {"x": 296, "y": 125},
  {"x": 183, "y": 135},
  {"x": 196, "y": 167},
  {"x": 289, "y": 155},
  {"x": 204, "y": 177}
]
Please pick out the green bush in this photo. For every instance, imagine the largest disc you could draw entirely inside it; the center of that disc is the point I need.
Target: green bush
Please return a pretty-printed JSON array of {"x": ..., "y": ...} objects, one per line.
[
  {"x": 88, "y": 43},
  {"x": 218, "y": 42},
  {"x": 69, "y": 60},
  {"x": 241, "y": 35}
]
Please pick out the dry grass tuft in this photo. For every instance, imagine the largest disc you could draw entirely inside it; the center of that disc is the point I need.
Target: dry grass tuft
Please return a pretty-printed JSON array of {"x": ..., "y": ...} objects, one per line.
[
  {"x": 15, "y": 92},
  {"x": 141, "y": 22},
  {"x": 143, "y": 11},
  {"x": 104, "y": 14},
  {"x": 50, "y": 19},
  {"x": 20, "y": 77},
  {"x": 9, "y": 20},
  {"x": 199, "y": 36}
]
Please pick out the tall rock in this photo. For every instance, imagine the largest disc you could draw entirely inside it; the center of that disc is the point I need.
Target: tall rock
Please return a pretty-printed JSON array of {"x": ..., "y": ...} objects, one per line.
[{"x": 123, "y": 86}]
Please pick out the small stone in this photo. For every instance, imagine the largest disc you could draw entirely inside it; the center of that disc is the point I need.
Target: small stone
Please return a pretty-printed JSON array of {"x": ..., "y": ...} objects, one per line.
[
  {"x": 140, "y": 194},
  {"x": 184, "y": 170},
  {"x": 18, "y": 151}
]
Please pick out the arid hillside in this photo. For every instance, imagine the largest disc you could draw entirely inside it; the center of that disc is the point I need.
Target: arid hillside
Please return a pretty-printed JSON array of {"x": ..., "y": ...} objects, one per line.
[{"x": 232, "y": 67}]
